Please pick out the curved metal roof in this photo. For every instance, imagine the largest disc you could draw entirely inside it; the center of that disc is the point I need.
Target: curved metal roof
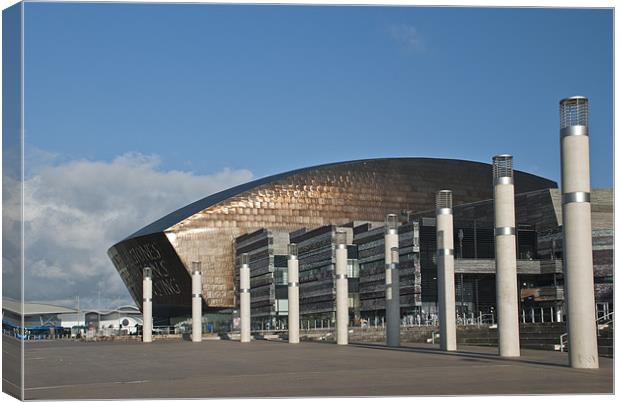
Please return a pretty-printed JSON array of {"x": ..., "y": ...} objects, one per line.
[
  {"x": 171, "y": 219},
  {"x": 16, "y": 306}
]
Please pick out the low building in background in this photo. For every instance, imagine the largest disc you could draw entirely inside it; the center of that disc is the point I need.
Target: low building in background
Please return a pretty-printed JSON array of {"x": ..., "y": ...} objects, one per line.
[
  {"x": 39, "y": 320},
  {"x": 125, "y": 320},
  {"x": 42, "y": 321}
]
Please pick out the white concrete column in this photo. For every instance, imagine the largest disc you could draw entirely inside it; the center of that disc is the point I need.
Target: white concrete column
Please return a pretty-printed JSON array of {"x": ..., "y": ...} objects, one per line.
[
  {"x": 507, "y": 289},
  {"x": 293, "y": 294},
  {"x": 196, "y": 302},
  {"x": 446, "y": 299},
  {"x": 342, "y": 290},
  {"x": 394, "y": 318},
  {"x": 392, "y": 288},
  {"x": 147, "y": 305},
  {"x": 244, "y": 298},
  {"x": 577, "y": 230}
]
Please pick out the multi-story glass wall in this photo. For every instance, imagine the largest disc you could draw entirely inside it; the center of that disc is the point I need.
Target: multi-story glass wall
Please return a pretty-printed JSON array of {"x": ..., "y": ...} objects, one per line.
[
  {"x": 268, "y": 277},
  {"x": 317, "y": 279},
  {"x": 371, "y": 252}
]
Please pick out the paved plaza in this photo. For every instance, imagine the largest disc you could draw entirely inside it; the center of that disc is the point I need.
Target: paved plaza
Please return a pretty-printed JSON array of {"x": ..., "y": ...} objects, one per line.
[{"x": 69, "y": 369}]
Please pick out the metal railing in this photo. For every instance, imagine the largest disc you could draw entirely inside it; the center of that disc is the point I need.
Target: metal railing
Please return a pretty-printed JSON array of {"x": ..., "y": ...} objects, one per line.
[
  {"x": 481, "y": 319},
  {"x": 28, "y": 336},
  {"x": 563, "y": 341},
  {"x": 605, "y": 319},
  {"x": 601, "y": 321}
]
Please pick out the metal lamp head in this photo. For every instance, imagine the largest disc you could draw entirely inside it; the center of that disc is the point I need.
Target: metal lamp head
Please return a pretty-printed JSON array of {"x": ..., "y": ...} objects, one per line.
[
  {"x": 574, "y": 111},
  {"x": 292, "y": 251},
  {"x": 502, "y": 169},
  {"x": 196, "y": 267},
  {"x": 148, "y": 272},
  {"x": 341, "y": 239},
  {"x": 443, "y": 202},
  {"x": 245, "y": 259},
  {"x": 391, "y": 224},
  {"x": 574, "y": 116}
]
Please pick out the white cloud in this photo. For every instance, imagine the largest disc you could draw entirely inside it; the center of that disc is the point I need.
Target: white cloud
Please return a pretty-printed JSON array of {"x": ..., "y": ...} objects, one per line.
[
  {"x": 74, "y": 211},
  {"x": 11, "y": 235},
  {"x": 407, "y": 36}
]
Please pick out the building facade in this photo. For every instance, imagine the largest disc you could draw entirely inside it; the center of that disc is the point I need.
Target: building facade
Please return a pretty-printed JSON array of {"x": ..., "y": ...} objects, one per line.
[
  {"x": 539, "y": 255},
  {"x": 335, "y": 194},
  {"x": 369, "y": 239},
  {"x": 317, "y": 274},
  {"x": 266, "y": 250}
]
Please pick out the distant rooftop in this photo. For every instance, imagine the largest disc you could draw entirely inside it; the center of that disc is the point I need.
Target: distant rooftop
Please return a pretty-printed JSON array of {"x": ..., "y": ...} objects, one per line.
[{"x": 15, "y": 306}]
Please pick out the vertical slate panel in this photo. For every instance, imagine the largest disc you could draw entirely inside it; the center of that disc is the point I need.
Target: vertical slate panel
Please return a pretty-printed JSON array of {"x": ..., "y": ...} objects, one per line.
[{"x": 171, "y": 280}]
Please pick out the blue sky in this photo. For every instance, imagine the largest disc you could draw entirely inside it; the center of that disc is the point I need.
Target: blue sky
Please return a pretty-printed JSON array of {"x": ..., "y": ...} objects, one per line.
[
  {"x": 273, "y": 88},
  {"x": 133, "y": 111}
]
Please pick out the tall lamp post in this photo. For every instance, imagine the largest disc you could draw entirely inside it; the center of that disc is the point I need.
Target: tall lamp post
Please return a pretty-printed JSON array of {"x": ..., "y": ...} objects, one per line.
[
  {"x": 244, "y": 298},
  {"x": 445, "y": 270},
  {"x": 147, "y": 305},
  {"x": 342, "y": 290},
  {"x": 293, "y": 294},
  {"x": 196, "y": 302},
  {"x": 506, "y": 257},
  {"x": 577, "y": 231},
  {"x": 392, "y": 286}
]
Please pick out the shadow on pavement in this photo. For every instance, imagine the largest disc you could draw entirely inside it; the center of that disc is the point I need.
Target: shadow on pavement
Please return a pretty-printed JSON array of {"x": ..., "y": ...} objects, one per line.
[{"x": 465, "y": 354}]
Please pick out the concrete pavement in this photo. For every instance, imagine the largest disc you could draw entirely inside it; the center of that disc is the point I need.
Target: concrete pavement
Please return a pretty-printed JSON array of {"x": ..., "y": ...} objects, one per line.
[{"x": 79, "y": 370}]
